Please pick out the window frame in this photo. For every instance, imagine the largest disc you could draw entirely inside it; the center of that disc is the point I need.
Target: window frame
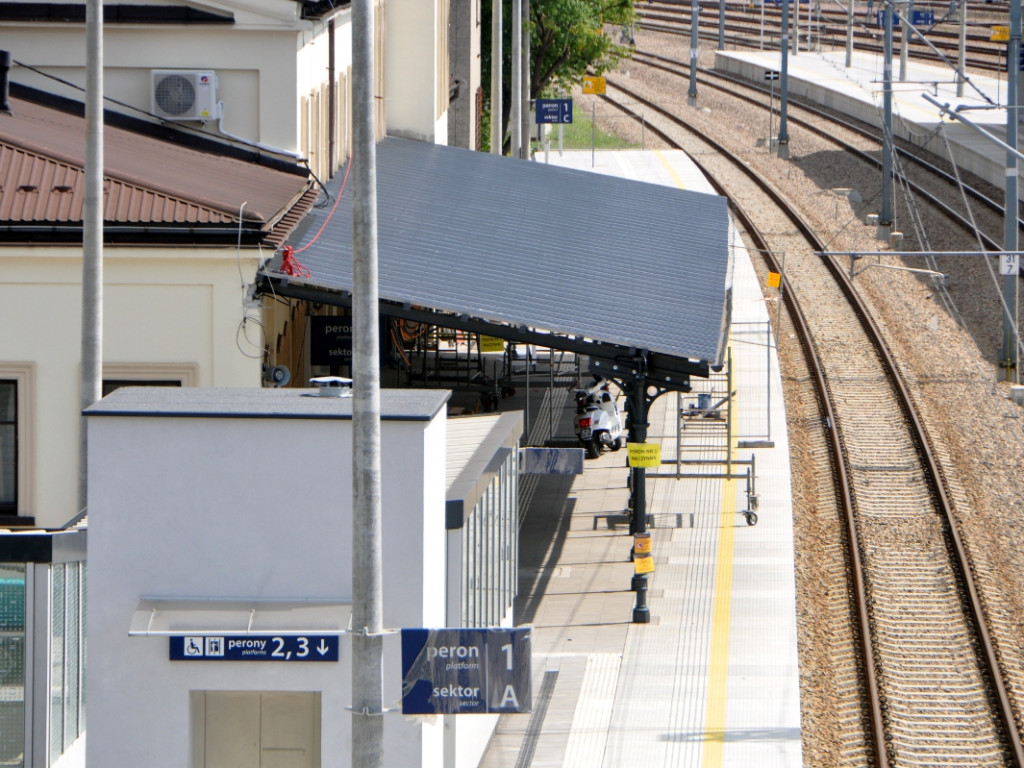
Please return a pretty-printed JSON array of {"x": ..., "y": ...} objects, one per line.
[{"x": 23, "y": 376}]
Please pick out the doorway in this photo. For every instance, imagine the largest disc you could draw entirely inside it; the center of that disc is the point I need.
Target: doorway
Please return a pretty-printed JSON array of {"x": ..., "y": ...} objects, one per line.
[{"x": 255, "y": 729}]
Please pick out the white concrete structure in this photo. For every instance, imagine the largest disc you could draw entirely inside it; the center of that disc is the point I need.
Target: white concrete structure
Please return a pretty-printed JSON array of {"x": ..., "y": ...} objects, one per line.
[{"x": 209, "y": 504}]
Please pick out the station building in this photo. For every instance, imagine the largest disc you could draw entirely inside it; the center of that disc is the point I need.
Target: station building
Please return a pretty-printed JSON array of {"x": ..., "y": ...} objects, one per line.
[{"x": 192, "y": 551}]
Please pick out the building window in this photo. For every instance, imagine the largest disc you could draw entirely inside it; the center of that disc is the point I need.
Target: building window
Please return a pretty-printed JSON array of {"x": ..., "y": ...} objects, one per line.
[
  {"x": 116, "y": 375},
  {"x": 8, "y": 447},
  {"x": 17, "y": 391},
  {"x": 109, "y": 385},
  {"x": 67, "y": 652}
]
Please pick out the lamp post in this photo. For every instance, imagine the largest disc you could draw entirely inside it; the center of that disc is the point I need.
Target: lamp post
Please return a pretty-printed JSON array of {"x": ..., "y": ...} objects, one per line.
[{"x": 783, "y": 149}]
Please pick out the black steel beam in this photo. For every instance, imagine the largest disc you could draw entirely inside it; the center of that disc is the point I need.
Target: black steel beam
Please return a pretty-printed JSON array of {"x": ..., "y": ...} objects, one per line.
[{"x": 613, "y": 361}]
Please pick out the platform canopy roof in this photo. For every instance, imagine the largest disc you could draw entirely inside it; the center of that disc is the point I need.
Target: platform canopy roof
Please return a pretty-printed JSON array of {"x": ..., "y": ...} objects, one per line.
[{"x": 532, "y": 253}]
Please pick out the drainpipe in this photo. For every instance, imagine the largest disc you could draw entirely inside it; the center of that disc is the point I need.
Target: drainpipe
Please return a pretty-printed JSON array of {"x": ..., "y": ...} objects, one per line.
[
  {"x": 5, "y": 82},
  {"x": 332, "y": 106}
]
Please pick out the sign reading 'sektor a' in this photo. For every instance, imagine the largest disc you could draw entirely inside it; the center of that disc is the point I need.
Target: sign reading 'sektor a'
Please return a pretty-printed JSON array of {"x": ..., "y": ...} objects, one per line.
[{"x": 465, "y": 671}]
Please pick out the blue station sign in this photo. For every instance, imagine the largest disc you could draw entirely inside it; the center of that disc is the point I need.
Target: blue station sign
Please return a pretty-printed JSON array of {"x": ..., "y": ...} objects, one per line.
[
  {"x": 465, "y": 671},
  {"x": 553, "y": 110},
  {"x": 254, "y": 648}
]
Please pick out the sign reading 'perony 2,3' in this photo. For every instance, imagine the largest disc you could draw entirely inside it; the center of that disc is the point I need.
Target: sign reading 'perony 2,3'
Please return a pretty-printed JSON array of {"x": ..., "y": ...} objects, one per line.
[{"x": 465, "y": 671}]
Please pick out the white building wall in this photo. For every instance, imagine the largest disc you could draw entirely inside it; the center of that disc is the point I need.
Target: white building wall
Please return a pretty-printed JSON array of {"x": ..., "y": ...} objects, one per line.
[
  {"x": 411, "y": 71},
  {"x": 177, "y": 308},
  {"x": 248, "y": 508},
  {"x": 262, "y": 65}
]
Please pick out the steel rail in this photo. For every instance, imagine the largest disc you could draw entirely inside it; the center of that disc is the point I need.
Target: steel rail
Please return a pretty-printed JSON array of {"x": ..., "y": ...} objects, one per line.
[
  {"x": 964, "y": 222},
  {"x": 975, "y": 605}
]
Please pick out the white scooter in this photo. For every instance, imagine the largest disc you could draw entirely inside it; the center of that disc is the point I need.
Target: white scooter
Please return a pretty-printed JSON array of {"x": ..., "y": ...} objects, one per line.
[{"x": 598, "y": 424}]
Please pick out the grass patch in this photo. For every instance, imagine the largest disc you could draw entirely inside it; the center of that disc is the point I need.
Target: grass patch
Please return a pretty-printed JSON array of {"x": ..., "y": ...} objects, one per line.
[{"x": 579, "y": 134}]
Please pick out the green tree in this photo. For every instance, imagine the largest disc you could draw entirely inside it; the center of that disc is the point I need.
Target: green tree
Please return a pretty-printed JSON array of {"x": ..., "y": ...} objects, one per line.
[{"x": 568, "y": 39}]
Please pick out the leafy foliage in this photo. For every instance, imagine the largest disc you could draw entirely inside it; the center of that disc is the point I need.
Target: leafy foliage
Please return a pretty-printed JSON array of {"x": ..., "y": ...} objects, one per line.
[{"x": 568, "y": 38}]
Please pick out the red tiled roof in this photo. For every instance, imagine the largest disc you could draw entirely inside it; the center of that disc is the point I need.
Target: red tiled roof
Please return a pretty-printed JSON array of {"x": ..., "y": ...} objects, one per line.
[{"x": 148, "y": 181}]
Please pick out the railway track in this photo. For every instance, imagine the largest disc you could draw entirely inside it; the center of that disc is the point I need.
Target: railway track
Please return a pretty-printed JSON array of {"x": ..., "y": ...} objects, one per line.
[
  {"x": 833, "y": 128},
  {"x": 745, "y": 27},
  {"x": 916, "y": 678}
]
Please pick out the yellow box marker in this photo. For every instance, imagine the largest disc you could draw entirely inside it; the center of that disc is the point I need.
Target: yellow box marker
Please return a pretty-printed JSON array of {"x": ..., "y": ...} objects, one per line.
[
  {"x": 491, "y": 344},
  {"x": 642, "y": 544},
  {"x": 774, "y": 279},
  {"x": 1000, "y": 34},
  {"x": 643, "y": 564},
  {"x": 593, "y": 84},
  {"x": 644, "y": 454}
]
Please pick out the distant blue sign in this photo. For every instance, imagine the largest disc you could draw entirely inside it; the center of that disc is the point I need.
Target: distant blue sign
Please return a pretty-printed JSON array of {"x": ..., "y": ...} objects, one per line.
[
  {"x": 917, "y": 18},
  {"x": 465, "y": 671},
  {"x": 922, "y": 18},
  {"x": 254, "y": 648},
  {"x": 553, "y": 110}
]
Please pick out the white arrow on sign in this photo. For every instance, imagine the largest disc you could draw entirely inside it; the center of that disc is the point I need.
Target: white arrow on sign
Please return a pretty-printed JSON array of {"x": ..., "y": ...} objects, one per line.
[{"x": 322, "y": 648}]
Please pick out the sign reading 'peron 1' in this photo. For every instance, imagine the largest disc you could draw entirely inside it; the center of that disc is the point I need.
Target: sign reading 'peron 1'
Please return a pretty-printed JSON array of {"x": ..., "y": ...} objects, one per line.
[{"x": 465, "y": 671}]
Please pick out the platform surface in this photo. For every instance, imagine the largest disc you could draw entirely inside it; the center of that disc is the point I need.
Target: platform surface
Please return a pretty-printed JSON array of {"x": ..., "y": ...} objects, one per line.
[
  {"x": 821, "y": 76},
  {"x": 712, "y": 680}
]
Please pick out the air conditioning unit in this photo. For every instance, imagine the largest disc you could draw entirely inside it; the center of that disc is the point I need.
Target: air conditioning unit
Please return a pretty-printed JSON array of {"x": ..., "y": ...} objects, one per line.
[{"x": 182, "y": 94}]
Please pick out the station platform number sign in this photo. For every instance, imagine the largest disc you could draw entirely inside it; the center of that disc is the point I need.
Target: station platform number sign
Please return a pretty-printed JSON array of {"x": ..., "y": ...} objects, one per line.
[
  {"x": 466, "y": 671},
  {"x": 553, "y": 111},
  {"x": 254, "y": 648}
]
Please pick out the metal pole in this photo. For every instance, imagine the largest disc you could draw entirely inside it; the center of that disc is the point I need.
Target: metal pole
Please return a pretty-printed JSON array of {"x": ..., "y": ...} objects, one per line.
[
  {"x": 694, "y": 24},
  {"x": 905, "y": 35},
  {"x": 1008, "y": 355},
  {"x": 721, "y": 25},
  {"x": 886, "y": 217},
  {"x": 761, "y": 45},
  {"x": 517, "y": 77},
  {"x": 961, "y": 59},
  {"x": 525, "y": 23},
  {"x": 367, "y": 580},
  {"x": 638, "y": 480},
  {"x": 796, "y": 28},
  {"x": 92, "y": 236},
  {"x": 849, "y": 34},
  {"x": 784, "y": 77},
  {"x": 593, "y": 131},
  {"x": 679, "y": 434},
  {"x": 778, "y": 309},
  {"x": 768, "y": 375},
  {"x": 497, "y": 135},
  {"x": 728, "y": 413}
]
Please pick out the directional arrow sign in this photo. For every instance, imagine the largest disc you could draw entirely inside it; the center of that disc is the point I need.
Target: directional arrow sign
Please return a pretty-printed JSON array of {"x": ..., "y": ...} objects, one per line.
[{"x": 254, "y": 648}]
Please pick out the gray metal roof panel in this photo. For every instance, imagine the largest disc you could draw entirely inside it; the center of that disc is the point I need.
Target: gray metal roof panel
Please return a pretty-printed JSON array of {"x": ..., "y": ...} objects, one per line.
[
  {"x": 242, "y": 402},
  {"x": 528, "y": 244}
]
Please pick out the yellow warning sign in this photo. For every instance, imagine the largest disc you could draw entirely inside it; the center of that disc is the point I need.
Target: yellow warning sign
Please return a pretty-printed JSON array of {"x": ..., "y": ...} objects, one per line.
[
  {"x": 491, "y": 344},
  {"x": 774, "y": 279},
  {"x": 1000, "y": 34},
  {"x": 593, "y": 84},
  {"x": 643, "y": 564},
  {"x": 642, "y": 544},
  {"x": 644, "y": 454}
]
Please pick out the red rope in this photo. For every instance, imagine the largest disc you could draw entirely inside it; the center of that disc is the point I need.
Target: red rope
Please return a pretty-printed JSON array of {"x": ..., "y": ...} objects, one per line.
[
  {"x": 344, "y": 183},
  {"x": 290, "y": 265}
]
